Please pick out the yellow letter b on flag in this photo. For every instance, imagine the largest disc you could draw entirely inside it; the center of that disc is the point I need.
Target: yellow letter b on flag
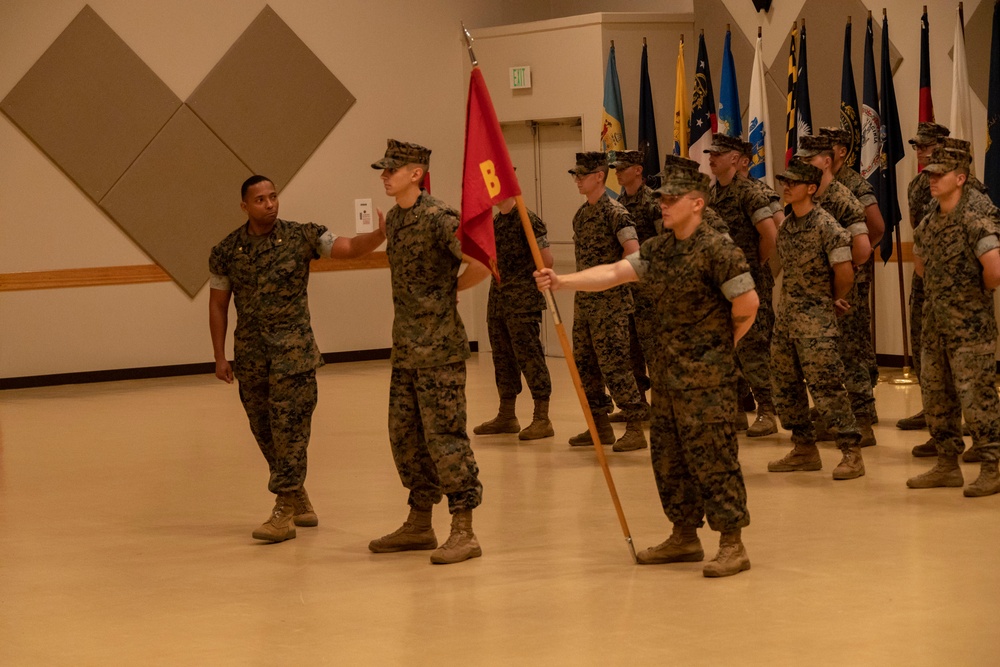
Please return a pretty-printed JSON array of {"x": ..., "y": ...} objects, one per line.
[{"x": 490, "y": 178}]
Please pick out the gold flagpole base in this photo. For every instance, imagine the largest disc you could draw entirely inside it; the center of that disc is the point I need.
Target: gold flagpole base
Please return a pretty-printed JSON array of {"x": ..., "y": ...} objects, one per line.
[{"x": 905, "y": 378}]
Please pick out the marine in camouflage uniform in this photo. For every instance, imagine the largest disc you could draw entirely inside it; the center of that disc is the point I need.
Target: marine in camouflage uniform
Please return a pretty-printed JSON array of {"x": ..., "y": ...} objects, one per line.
[
  {"x": 643, "y": 207},
  {"x": 427, "y": 408},
  {"x": 704, "y": 297},
  {"x": 854, "y": 340},
  {"x": 264, "y": 266},
  {"x": 804, "y": 351},
  {"x": 747, "y": 212},
  {"x": 956, "y": 249},
  {"x": 513, "y": 321},
  {"x": 708, "y": 214},
  {"x": 602, "y": 229}
]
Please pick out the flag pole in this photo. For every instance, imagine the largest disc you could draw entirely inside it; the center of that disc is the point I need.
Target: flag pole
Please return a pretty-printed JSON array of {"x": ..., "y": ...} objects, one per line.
[{"x": 567, "y": 350}]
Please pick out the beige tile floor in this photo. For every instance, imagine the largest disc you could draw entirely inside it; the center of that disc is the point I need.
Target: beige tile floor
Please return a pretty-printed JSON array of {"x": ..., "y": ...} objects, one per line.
[{"x": 126, "y": 510}]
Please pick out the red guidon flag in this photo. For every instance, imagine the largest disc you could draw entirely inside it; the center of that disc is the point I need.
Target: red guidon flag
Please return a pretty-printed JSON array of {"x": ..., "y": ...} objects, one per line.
[{"x": 487, "y": 177}]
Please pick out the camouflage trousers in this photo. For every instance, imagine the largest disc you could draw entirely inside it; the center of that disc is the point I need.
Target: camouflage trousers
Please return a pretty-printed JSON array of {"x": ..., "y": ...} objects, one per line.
[
  {"x": 280, "y": 413},
  {"x": 695, "y": 456},
  {"x": 642, "y": 337},
  {"x": 956, "y": 380},
  {"x": 916, "y": 324},
  {"x": 517, "y": 348},
  {"x": 753, "y": 352},
  {"x": 863, "y": 307},
  {"x": 798, "y": 363},
  {"x": 429, "y": 442},
  {"x": 601, "y": 352},
  {"x": 855, "y": 344}
]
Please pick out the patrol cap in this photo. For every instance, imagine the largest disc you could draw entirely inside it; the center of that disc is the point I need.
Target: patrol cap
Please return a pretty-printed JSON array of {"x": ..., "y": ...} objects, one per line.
[
  {"x": 943, "y": 160},
  {"x": 623, "y": 159},
  {"x": 929, "y": 133},
  {"x": 671, "y": 160},
  {"x": 838, "y": 135},
  {"x": 813, "y": 145},
  {"x": 801, "y": 172},
  {"x": 589, "y": 162},
  {"x": 723, "y": 143},
  {"x": 399, "y": 154},
  {"x": 680, "y": 180},
  {"x": 957, "y": 144}
]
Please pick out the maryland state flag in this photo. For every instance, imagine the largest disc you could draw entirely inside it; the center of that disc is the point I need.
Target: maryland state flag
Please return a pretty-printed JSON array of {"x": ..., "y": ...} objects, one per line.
[
  {"x": 613, "y": 120},
  {"x": 487, "y": 177},
  {"x": 791, "y": 136}
]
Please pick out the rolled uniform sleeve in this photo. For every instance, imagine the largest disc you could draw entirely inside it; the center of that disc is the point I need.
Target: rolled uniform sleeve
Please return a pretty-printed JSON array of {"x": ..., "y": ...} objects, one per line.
[
  {"x": 215, "y": 281},
  {"x": 325, "y": 246},
  {"x": 737, "y": 286},
  {"x": 639, "y": 265}
]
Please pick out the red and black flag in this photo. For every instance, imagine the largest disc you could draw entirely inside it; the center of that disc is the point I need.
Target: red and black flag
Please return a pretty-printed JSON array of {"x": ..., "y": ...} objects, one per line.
[
  {"x": 487, "y": 176},
  {"x": 926, "y": 114}
]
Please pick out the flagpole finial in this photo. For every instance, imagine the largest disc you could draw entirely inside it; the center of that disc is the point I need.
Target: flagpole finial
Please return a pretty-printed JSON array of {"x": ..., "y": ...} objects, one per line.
[
  {"x": 612, "y": 44},
  {"x": 644, "y": 41},
  {"x": 848, "y": 20},
  {"x": 703, "y": 30},
  {"x": 884, "y": 13},
  {"x": 727, "y": 28},
  {"x": 682, "y": 39},
  {"x": 925, "y": 9},
  {"x": 803, "y": 21},
  {"x": 869, "y": 15},
  {"x": 468, "y": 44},
  {"x": 795, "y": 26}
]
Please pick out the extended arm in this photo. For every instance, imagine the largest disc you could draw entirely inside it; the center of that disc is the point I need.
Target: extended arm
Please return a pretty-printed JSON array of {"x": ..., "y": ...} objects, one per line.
[
  {"x": 218, "y": 324},
  {"x": 594, "y": 279},
  {"x": 349, "y": 247},
  {"x": 744, "y": 310}
]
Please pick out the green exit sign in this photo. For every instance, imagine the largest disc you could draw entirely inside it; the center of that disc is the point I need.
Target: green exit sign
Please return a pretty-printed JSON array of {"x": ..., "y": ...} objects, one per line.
[{"x": 520, "y": 77}]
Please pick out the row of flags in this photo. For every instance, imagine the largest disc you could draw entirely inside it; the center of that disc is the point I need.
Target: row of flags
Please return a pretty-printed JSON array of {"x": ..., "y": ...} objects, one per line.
[{"x": 877, "y": 143}]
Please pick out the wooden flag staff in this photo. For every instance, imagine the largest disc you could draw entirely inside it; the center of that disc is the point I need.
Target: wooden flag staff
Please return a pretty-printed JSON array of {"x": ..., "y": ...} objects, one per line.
[{"x": 567, "y": 350}]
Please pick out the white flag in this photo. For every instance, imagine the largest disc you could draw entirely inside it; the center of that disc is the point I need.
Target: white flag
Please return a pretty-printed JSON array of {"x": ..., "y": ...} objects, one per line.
[
  {"x": 961, "y": 103},
  {"x": 760, "y": 157}
]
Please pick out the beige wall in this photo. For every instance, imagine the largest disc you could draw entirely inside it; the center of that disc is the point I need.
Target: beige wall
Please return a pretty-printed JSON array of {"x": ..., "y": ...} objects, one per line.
[{"x": 386, "y": 53}]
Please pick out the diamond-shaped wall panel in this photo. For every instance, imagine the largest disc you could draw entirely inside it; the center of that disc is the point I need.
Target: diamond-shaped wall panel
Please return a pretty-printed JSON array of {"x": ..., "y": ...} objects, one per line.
[
  {"x": 272, "y": 106},
  {"x": 90, "y": 103},
  {"x": 180, "y": 198}
]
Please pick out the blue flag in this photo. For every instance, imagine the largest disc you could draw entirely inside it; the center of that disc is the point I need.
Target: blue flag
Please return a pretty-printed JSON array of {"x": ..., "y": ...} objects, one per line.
[
  {"x": 871, "y": 122},
  {"x": 803, "y": 110},
  {"x": 850, "y": 119},
  {"x": 991, "y": 175},
  {"x": 647, "y": 124},
  {"x": 892, "y": 149},
  {"x": 730, "y": 120},
  {"x": 613, "y": 120},
  {"x": 704, "y": 121}
]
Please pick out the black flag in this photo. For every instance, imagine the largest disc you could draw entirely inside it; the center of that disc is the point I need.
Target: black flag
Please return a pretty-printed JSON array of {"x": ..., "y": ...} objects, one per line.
[
  {"x": 892, "y": 149},
  {"x": 850, "y": 120}
]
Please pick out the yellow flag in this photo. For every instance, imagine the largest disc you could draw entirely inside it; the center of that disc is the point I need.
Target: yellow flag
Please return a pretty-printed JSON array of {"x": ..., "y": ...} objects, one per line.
[{"x": 681, "y": 109}]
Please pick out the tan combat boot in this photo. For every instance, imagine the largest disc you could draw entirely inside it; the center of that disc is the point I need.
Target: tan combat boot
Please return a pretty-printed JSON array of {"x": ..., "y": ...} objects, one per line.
[
  {"x": 416, "y": 534},
  {"x": 851, "y": 466},
  {"x": 802, "y": 458},
  {"x": 765, "y": 424},
  {"x": 605, "y": 431},
  {"x": 741, "y": 423},
  {"x": 304, "y": 515},
  {"x": 279, "y": 527},
  {"x": 987, "y": 483},
  {"x": 944, "y": 473},
  {"x": 731, "y": 559},
  {"x": 462, "y": 543},
  {"x": 540, "y": 426},
  {"x": 972, "y": 455},
  {"x": 867, "y": 433},
  {"x": 632, "y": 439},
  {"x": 504, "y": 422},
  {"x": 683, "y": 546},
  {"x": 913, "y": 422}
]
